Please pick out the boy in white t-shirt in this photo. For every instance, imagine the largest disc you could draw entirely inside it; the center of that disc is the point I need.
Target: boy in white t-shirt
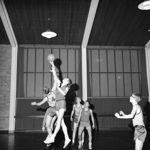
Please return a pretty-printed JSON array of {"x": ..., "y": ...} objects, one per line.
[{"x": 137, "y": 119}]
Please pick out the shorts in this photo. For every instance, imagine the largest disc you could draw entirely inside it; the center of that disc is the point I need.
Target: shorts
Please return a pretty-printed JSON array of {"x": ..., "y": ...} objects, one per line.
[
  {"x": 51, "y": 111},
  {"x": 85, "y": 124},
  {"x": 60, "y": 104},
  {"x": 140, "y": 133},
  {"x": 75, "y": 119}
]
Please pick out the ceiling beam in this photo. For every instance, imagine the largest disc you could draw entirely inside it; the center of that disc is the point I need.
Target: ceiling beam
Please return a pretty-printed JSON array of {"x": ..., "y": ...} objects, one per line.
[
  {"x": 87, "y": 32},
  {"x": 89, "y": 23},
  {"x": 7, "y": 24}
]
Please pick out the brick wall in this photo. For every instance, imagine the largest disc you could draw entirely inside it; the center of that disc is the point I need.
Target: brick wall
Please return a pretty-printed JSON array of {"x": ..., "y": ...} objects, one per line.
[{"x": 5, "y": 71}]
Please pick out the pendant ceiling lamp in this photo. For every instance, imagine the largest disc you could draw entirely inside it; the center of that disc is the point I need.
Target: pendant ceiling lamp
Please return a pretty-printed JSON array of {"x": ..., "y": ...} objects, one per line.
[
  {"x": 145, "y": 5},
  {"x": 48, "y": 33}
]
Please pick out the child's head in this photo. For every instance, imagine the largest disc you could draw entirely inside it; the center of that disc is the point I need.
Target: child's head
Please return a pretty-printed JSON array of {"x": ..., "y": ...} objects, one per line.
[
  {"x": 77, "y": 100},
  {"x": 66, "y": 81},
  {"x": 136, "y": 97},
  {"x": 46, "y": 90},
  {"x": 86, "y": 104}
]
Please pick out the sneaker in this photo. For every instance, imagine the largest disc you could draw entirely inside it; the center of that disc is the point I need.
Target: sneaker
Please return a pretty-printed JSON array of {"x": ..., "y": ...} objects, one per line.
[
  {"x": 66, "y": 143},
  {"x": 48, "y": 145},
  {"x": 90, "y": 146},
  {"x": 49, "y": 140},
  {"x": 80, "y": 145},
  {"x": 72, "y": 142},
  {"x": 43, "y": 129},
  {"x": 82, "y": 142},
  {"x": 48, "y": 136}
]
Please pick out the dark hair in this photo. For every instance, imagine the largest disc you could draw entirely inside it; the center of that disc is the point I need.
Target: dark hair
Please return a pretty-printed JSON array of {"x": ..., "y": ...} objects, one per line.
[
  {"x": 85, "y": 102},
  {"x": 138, "y": 95},
  {"x": 70, "y": 82},
  {"x": 46, "y": 90}
]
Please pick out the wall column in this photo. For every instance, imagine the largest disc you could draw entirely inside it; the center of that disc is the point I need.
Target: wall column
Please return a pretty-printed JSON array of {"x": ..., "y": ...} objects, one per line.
[
  {"x": 12, "y": 111},
  {"x": 84, "y": 74},
  {"x": 87, "y": 32},
  {"x": 147, "y": 53},
  {"x": 12, "y": 39}
]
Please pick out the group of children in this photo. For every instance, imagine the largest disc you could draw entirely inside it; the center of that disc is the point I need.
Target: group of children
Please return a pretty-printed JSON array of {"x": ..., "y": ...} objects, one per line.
[
  {"x": 80, "y": 118},
  {"x": 54, "y": 116},
  {"x": 81, "y": 114}
]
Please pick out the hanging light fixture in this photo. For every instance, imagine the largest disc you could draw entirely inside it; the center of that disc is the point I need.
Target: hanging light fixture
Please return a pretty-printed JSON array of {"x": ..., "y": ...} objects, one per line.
[
  {"x": 48, "y": 33},
  {"x": 145, "y": 5}
]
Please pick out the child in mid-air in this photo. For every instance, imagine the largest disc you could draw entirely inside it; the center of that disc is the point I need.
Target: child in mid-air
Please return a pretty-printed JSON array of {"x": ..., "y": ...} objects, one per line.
[
  {"x": 77, "y": 108},
  {"x": 137, "y": 119},
  {"x": 84, "y": 121},
  {"x": 60, "y": 92}
]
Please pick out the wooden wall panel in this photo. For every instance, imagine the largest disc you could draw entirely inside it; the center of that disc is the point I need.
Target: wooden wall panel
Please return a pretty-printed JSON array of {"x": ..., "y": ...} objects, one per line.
[
  {"x": 95, "y": 85},
  {"x": 104, "y": 84},
  {"x": 38, "y": 76},
  {"x": 111, "y": 59},
  {"x": 103, "y": 61},
  {"x": 118, "y": 70},
  {"x": 114, "y": 74},
  {"x": 5, "y": 71},
  {"x": 71, "y": 60},
  {"x": 128, "y": 85},
  {"x": 118, "y": 61},
  {"x": 126, "y": 61},
  {"x": 64, "y": 58},
  {"x": 39, "y": 60},
  {"x": 110, "y": 84}
]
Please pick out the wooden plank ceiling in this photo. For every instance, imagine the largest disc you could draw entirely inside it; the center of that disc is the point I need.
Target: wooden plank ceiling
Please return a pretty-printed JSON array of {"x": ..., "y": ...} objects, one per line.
[{"x": 117, "y": 22}]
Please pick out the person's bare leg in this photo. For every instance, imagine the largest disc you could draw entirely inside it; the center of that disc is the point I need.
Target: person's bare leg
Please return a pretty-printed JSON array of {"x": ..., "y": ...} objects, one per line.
[
  {"x": 138, "y": 144},
  {"x": 90, "y": 137},
  {"x": 82, "y": 140},
  {"x": 58, "y": 125},
  {"x": 75, "y": 125},
  {"x": 80, "y": 136},
  {"x": 48, "y": 123},
  {"x": 48, "y": 127},
  {"x": 44, "y": 120},
  {"x": 65, "y": 131},
  {"x": 52, "y": 123}
]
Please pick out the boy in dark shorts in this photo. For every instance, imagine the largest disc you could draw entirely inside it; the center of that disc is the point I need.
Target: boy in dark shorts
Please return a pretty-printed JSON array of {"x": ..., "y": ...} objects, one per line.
[
  {"x": 77, "y": 108},
  {"x": 84, "y": 123}
]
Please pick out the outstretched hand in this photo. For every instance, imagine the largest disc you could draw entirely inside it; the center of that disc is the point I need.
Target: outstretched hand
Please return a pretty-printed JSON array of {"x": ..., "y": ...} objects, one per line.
[
  {"x": 121, "y": 113},
  {"x": 33, "y": 103},
  {"x": 117, "y": 115}
]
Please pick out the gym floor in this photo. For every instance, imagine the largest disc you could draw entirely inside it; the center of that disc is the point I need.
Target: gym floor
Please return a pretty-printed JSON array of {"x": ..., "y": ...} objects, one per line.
[{"x": 102, "y": 140}]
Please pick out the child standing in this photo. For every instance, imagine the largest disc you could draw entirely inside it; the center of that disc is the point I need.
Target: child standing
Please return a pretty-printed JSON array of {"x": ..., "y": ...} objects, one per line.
[
  {"x": 137, "y": 119},
  {"x": 77, "y": 108},
  {"x": 84, "y": 120},
  {"x": 50, "y": 115}
]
